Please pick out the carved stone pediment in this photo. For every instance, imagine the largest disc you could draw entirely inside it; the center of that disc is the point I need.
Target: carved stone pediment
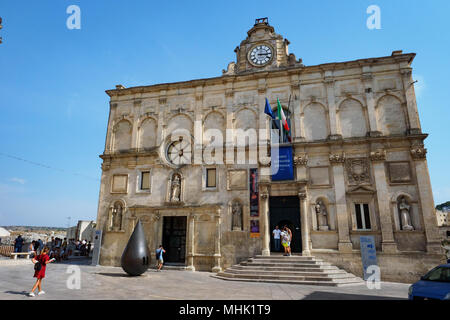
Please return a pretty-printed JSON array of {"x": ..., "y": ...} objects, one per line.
[
  {"x": 361, "y": 190},
  {"x": 358, "y": 171}
]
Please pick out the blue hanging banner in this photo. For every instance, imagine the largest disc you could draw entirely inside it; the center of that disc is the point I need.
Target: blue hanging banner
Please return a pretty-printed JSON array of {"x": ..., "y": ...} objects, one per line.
[
  {"x": 282, "y": 163},
  {"x": 368, "y": 253}
]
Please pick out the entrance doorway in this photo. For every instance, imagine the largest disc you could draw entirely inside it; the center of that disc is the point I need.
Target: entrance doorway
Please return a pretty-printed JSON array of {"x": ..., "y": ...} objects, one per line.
[
  {"x": 286, "y": 211},
  {"x": 174, "y": 239}
]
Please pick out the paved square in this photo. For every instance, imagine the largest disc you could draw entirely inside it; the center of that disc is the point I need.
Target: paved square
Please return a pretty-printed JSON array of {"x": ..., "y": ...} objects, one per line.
[{"x": 112, "y": 283}]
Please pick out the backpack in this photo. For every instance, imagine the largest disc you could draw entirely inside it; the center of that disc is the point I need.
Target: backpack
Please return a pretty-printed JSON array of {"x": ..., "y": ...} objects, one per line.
[{"x": 38, "y": 266}]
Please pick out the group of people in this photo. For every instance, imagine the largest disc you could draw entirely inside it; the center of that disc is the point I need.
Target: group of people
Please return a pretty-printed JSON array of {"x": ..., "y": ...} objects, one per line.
[
  {"x": 60, "y": 249},
  {"x": 283, "y": 237}
]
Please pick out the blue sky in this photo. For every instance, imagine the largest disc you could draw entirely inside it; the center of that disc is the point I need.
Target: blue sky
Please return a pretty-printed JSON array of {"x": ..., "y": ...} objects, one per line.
[{"x": 54, "y": 109}]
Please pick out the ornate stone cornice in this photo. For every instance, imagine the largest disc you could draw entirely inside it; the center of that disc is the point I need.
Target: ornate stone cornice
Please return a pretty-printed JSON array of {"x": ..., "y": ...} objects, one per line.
[
  {"x": 418, "y": 152},
  {"x": 337, "y": 158},
  {"x": 378, "y": 155},
  {"x": 301, "y": 159}
]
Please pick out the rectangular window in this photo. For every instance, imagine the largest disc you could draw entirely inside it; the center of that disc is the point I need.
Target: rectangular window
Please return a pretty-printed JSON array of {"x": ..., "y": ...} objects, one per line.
[
  {"x": 362, "y": 216},
  {"x": 210, "y": 178},
  {"x": 145, "y": 180}
]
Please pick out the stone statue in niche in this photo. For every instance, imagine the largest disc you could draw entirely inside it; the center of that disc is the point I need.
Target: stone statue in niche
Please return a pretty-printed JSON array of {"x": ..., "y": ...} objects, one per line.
[
  {"x": 175, "y": 188},
  {"x": 117, "y": 217},
  {"x": 405, "y": 217},
  {"x": 236, "y": 216},
  {"x": 321, "y": 212}
]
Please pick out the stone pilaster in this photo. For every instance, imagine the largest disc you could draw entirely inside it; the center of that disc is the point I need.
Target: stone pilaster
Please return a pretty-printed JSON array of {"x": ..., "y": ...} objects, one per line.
[
  {"x": 411, "y": 105},
  {"x": 300, "y": 162},
  {"x": 306, "y": 249},
  {"x": 337, "y": 161},
  {"x": 135, "y": 117},
  {"x": 418, "y": 153},
  {"x": 109, "y": 133},
  {"x": 299, "y": 133},
  {"x": 191, "y": 243},
  {"x": 368, "y": 83},
  {"x": 265, "y": 224},
  {"x": 329, "y": 83},
  {"x": 217, "y": 254},
  {"x": 229, "y": 145},
  {"x": 388, "y": 244},
  {"x": 162, "y": 108}
]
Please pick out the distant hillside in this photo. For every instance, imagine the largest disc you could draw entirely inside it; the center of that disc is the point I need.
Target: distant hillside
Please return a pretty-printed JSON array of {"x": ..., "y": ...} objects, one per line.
[{"x": 34, "y": 228}]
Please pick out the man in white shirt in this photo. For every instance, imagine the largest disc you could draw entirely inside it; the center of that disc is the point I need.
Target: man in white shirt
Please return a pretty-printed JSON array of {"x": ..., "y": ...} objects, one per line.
[{"x": 276, "y": 238}]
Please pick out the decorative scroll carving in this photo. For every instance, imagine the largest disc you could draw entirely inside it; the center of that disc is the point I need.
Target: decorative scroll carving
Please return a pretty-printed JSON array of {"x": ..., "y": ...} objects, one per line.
[
  {"x": 418, "y": 152},
  {"x": 337, "y": 158},
  {"x": 301, "y": 159},
  {"x": 302, "y": 195},
  {"x": 358, "y": 171},
  {"x": 378, "y": 155}
]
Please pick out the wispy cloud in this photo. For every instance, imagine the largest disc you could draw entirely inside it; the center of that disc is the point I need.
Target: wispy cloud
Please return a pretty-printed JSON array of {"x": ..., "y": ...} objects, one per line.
[{"x": 18, "y": 180}]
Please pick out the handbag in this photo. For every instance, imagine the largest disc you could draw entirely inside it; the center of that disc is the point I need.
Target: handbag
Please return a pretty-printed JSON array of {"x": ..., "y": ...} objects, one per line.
[{"x": 38, "y": 266}]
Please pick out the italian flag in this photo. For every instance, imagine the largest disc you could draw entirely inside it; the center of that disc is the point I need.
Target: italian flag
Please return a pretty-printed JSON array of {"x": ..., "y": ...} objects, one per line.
[{"x": 282, "y": 117}]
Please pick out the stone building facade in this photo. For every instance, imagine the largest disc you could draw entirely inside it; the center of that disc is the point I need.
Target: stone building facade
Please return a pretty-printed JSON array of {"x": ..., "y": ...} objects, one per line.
[{"x": 359, "y": 163}]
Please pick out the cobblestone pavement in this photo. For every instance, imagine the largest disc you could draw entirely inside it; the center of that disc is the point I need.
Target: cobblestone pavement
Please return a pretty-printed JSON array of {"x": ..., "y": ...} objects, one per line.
[{"x": 112, "y": 283}]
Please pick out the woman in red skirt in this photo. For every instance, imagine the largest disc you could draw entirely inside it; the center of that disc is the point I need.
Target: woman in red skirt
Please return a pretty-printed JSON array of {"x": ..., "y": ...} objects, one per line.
[{"x": 43, "y": 259}]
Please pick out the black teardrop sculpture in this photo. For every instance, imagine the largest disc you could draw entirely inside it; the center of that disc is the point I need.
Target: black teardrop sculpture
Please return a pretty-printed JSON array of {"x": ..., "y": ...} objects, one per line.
[{"x": 135, "y": 257}]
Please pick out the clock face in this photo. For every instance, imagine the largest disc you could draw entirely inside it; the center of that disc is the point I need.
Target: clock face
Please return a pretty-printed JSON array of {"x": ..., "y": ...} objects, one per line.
[
  {"x": 179, "y": 152},
  {"x": 260, "y": 55}
]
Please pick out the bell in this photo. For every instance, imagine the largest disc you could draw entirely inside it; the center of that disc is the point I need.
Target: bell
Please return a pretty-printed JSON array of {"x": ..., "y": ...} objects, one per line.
[{"x": 135, "y": 257}]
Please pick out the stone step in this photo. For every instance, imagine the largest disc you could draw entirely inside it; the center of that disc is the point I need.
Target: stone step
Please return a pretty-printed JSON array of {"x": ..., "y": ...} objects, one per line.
[
  {"x": 284, "y": 268},
  {"x": 288, "y": 269},
  {"x": 295, "y": 257},
  {"x": 337, "y": 274},
  {"x": 277, "y": 264},
  {"x": 336, "y": 283}
]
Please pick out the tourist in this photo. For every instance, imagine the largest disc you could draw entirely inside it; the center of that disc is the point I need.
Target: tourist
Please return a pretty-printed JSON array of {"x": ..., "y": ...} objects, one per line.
[
  {"x": 31, "y": 249},
  {"x": 289, "y": 240},
  {"x": 41, "y": 246},
  {"x": 18, "y": 243},
  {"x": 88, "y": 248},
  {"x": 284, "y": 241},
  {"x": 276, "y": 238},
  {"x": 40, "y": 263},
  {"x": 159, "y": 257},
  {"x": 35, "y": 245}
]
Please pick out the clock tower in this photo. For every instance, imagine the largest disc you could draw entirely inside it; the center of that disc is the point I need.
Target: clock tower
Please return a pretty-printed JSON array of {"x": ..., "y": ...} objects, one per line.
[{"x": 262, "y": 50}]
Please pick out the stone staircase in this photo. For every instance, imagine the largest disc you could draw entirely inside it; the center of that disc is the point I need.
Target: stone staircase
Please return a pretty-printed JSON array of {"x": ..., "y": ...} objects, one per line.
[{"x": 289, "y": 270}]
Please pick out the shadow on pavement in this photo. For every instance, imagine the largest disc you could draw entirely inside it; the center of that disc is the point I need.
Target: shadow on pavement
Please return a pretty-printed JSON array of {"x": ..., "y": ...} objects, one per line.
[
  {"x": 24, "y": 293},
  {"x": 117, "y": 275},
  {"x": 322, "y": 295}
]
